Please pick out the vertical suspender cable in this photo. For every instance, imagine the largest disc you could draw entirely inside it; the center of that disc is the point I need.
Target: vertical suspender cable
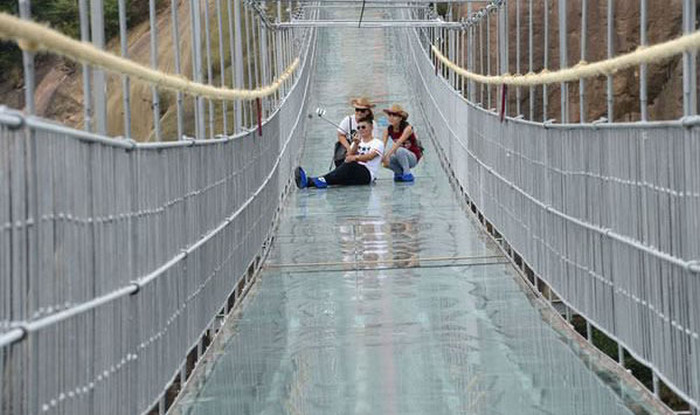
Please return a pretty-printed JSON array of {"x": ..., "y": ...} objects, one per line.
[
  {"x": 611, "y": 25},
  {"x": 126, "y": 87},
  {"x": 154, "y": 65},
  {"x": 518, "y": 91},
  {"x": 222, "y": 65},
  {"x": 530, "y": 60},
  {"x": 643, "y": 110},
  {"x": 175, "y": 16},
  {"x": 87, "y": 83},
  {"x": 582, "y": 83},
  {"x": 238, "y": 63},
  {"x": 689, "y": 64},
  {"x": 207, "y": 43},
  {"x": 545, "y": 99},
  {"x": 563, "y": 61},
  {"x": 99, "y": 90}
]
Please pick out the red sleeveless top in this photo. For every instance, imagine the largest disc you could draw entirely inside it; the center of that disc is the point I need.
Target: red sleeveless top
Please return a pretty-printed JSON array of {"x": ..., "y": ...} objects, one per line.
[{"x": 411, "y": 142}]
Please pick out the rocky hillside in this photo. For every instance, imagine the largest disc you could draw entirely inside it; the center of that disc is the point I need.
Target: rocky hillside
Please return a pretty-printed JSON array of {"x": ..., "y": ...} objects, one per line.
[
  {"x": 664, "y": 79},
  {"x": 60, "y": 95}
]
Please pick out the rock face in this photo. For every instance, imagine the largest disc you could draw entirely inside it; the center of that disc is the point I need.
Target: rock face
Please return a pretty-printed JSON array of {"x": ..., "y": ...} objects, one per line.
[{"x": 665, "y": 80}]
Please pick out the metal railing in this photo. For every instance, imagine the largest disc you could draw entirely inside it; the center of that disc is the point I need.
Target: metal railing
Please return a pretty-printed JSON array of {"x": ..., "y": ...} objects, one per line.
[
  {"x": 117, "y": 256},
  {"x": 606, "y": 214}
]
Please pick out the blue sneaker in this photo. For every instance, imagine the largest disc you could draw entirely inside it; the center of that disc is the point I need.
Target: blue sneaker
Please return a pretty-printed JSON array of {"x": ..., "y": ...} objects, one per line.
[
  {"x": 406, "y": 177},
  {"x": 300, "y": 178},
  {"x": 319, "y": 182},
  {"x": 397, "y": 177}
]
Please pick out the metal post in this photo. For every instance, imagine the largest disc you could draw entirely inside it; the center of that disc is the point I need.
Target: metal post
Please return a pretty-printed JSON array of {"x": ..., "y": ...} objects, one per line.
[
  {"x": 195, "y": 19},
  {"x": 154, "y": 65},
  {"x": 238, "y": 63},
  {"x": 583, "y": 110},
  {"x": 530, "y": 63},
  {"x": 689, "y": 64},
  {"x": 231, "y": 46},
  {"x": 589, "y": 332},
  {"x": 611, "y": 25},
  {"x": 518, "y": 91},
  {"x": 264, "y": 62},
  {"x": 278, "y": 51},
  {"x": 99, "y": 87},
  {"x": 620, "y": 354},
  {"x": 250, "y": 61},
  {"x": 25, "y": 13},
  {"x": 222, "y": 66},
  {"x": 505, "y": 58},
  {"x": 126, "y": 84},
  {"x": 481, "y": 61},
  {"x": 546, "y": 58},
  {"x": 563, "y": 62},
  {"x": 470, "y": 53},
  {"x": 488, "y": 57},
  {"x": 644, "y": 111},
  {"x": 87, "y": 83},
  {"x": 178, "y": 65},
  {"x": 210, "y": 75}
]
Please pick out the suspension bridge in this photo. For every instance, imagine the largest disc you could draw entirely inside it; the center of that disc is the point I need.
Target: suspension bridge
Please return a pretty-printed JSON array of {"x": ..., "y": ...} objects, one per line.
[{"x": 159, "y": 259}]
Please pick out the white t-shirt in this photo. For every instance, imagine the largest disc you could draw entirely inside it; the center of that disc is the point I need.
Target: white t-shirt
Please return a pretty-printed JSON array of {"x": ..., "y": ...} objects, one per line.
[
  {"x": 364, "y": 148},
  {"x": 345, "y": 125}
]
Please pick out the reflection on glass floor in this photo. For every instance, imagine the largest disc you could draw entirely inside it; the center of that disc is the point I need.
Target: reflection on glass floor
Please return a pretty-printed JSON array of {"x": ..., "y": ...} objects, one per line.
[{"x": 359, "y": 312}]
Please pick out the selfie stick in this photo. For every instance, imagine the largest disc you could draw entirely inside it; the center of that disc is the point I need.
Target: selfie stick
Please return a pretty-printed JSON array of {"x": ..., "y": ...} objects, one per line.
[{"x": 320, "y": 112}]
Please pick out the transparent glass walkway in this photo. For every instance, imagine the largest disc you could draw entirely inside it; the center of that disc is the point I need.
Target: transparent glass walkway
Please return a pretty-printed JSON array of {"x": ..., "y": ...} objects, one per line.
[{"x": 416, "y": 335}]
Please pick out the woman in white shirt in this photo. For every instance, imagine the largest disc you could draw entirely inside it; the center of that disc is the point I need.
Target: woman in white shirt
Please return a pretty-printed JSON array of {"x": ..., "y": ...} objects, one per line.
[{"x": 360, "y": 166}]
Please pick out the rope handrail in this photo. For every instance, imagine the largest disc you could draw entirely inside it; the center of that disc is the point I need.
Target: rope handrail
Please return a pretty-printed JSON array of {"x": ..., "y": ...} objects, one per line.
[
  {"x": 643, "y": 55},
  {"x": 32, "y": 37}
]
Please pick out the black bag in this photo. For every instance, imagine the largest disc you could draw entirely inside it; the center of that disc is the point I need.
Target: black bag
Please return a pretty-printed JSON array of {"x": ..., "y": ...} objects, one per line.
[
  {"x": 339, "y": 153},
  {"x": 339, "y": 150}
]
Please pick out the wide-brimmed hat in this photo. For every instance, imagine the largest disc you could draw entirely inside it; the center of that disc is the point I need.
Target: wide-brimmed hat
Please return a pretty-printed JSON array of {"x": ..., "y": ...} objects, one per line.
[
  {"x": 362, "y": 103},
  {"x": 396, "y": 109}
]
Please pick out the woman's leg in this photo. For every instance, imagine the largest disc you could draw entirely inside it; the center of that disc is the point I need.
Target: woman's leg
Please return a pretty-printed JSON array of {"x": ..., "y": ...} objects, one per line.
[
  {"x": 348, "y": 174},
  {"x": 402, "y": 161}
]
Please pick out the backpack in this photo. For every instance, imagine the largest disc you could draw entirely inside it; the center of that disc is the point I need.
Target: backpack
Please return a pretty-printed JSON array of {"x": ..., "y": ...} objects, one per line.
[{"x": 339, "y": 151}]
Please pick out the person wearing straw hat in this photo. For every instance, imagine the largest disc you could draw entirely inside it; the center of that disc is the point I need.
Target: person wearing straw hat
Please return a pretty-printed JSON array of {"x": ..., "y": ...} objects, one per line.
[
  {"x": 360, "y": 166},
  {"x": 406, "y": 151},
  {"x": 348, "y": 126}
]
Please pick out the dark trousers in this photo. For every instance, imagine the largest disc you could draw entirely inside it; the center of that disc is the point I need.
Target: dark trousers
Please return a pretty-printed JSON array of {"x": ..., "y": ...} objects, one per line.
[{"x": 349, "y": 174}]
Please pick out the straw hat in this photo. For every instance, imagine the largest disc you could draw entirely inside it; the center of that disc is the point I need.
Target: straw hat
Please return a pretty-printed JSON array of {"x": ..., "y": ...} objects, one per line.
[
  {"x": 396, "y": 109},
  {"x": 362, "y": 103}
]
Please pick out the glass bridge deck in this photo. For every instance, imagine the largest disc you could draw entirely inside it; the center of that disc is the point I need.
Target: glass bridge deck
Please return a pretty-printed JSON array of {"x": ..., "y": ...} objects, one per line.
[{"x": 331, "y": 329}]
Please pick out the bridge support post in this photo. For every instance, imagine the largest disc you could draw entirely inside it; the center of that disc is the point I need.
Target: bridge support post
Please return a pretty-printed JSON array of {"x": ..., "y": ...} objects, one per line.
[
  {"x": 154, "y": 65},
  {"x": 690, "y": 105},
  {"x": 563, "y": 61},
  {"x": 238, "y": 64},
  {"x": 98, "y": 76},
  {"x": 611, "y": 26}
]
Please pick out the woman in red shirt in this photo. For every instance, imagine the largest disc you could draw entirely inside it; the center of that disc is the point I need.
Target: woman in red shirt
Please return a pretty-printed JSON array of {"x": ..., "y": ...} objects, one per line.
[{"x": 405, "y": 152}]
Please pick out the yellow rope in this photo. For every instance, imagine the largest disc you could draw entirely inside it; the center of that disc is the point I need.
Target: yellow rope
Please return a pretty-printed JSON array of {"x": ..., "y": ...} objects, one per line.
[
  {"x": 583, "y": 69},
  {"x": 33, "y": 37}
]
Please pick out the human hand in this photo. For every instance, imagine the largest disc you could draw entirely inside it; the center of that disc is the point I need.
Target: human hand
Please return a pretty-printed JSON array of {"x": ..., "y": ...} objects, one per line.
[
  {"x": 385, "y": 161},
  {"x": 350, "y": 158}
]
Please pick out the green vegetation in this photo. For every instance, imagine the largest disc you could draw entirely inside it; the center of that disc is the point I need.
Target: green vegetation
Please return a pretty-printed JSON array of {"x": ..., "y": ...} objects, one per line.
[{"x": 64, "y": 16}]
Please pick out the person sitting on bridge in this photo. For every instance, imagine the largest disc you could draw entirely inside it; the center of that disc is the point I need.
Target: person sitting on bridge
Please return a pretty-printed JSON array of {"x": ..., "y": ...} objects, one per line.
[
  {"x": 363, "y": 108},
  {"x": 406, "y": 151},
  {"x": 360, "y": 166}
]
